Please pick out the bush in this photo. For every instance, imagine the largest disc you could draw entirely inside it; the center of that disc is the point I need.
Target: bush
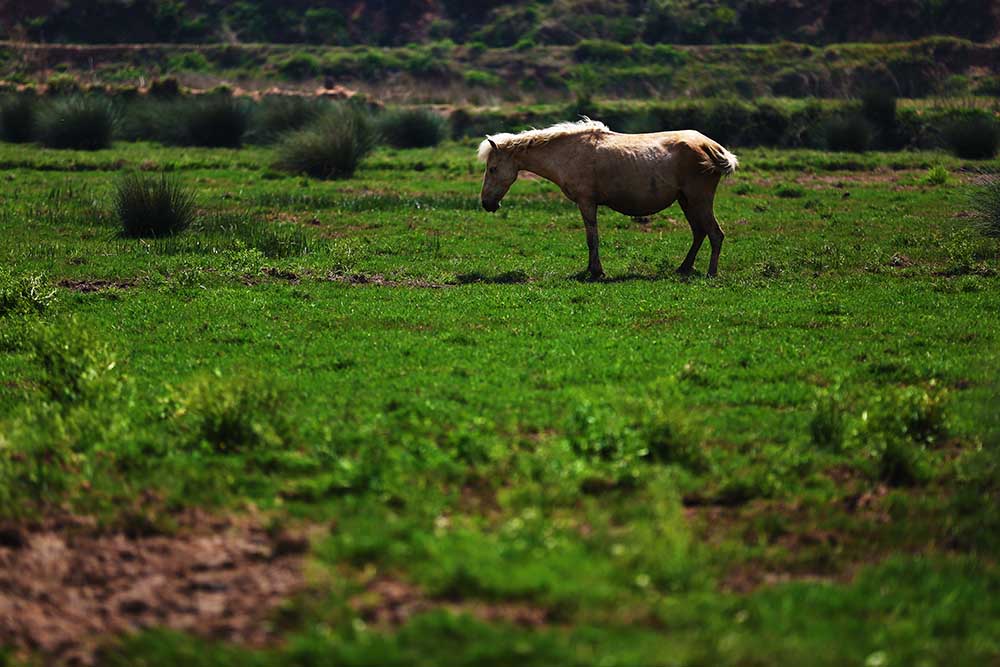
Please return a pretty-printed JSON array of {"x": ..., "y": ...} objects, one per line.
[
  {"x": 878, "y": 106},
  {"x": 82, "y": 123},
  {"x": 331, "y": 147},
  {"x": 152, "y": 207},
  {"x": 166, "y": 88},
  {"x": 63, "y": 85},
  {"x": 230, "y": 416},
  {"x": 278, "y": 114},
  {"x": 17, "y": 119},
  {"x": 972, "y": 136},
  {"x": 217, "y": 122},
  {"x": 411, "y": 128},
  {"x": 986, "y": 206},
  {"x": 850, "y": 132}
]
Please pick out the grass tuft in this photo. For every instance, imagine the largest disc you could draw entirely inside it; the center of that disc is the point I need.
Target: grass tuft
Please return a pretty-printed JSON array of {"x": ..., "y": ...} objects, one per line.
[
  {"x": 331, "y": 147},
  {"x": 151, "y": 207},
  {"x": 17, "y": 119},
  {"x": 278, "y": 114},
  {"x": 216, "y": 122},
  {"x": 986, "y": 206},
  {"x": 848, "y": 133},
  {"x": 81, "y": 123},
  {"x": 972, "y": 137},
  {"x": 411, "y": 128}
]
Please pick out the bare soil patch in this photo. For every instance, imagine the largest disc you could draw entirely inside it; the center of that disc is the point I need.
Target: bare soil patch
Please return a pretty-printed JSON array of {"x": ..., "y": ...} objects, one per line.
[
  {"x": 65, "y": 589},
  {"x": 388, "y": 603},
  {"x": 97, "y": 285},
  {"x": 378, "y": 280}
]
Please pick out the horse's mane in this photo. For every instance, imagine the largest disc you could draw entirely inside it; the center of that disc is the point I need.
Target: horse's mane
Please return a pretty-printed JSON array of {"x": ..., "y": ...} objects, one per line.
[{"x": 530, "y": 138}]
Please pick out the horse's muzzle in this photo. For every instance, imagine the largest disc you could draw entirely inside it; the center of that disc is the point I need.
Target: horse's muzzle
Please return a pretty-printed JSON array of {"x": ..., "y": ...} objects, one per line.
[{"x": 491, "y": 206}]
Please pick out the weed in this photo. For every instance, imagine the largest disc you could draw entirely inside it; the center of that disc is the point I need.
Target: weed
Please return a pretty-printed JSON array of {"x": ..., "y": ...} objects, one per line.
[
  {"x": 82, "y": 123},
  {"x": 149, "y": 206},
  {"x": 21, "y": 295},
  {"x": 411, "y": 128},
  {"x": 331, "y": 147}
]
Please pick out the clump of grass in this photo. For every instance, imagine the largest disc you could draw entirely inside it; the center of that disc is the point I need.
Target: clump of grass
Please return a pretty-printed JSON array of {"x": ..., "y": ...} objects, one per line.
[
  {"x": 273, "y": 241},
  {"x": 828, "y": 425},
  {"x": 411, "y": 128},
  {"x": 898, "y": 428},
  {"x": 936, "y": 176},
  {"x": 986, "y": 206},
  {"x": 972, "y": 137},
  {"x": 790, "y": 191},
  {"x": 17, "y": 119},
  {"x": 23, "y": 294},
  {"x": 151, "y": 207},
  {"x": 331, "y": 147},
  {"x": 848, "y": 133},
  {"x": 230, "y": 416},
  {"x": 81, "y": 123},
  {"x": 278, "y": 114},
  {"x": 218, "y": 121}
]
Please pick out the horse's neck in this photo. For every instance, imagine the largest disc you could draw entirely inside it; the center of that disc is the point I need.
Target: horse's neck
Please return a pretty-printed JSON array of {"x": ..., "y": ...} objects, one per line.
[{"x": 545, "y": 161}]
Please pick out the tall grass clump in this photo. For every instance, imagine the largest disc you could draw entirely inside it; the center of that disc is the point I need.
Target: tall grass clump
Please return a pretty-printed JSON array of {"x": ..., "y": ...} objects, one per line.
[
  {"x": 986, "y": 206},
  {"x": 411, "y": 128},
  {"x": 850, "y": 132},
  {"x": 972, "y": 136},
  {"x": 81, "y": 123},
  {"x": 17, "y": 119},
  {"x": 217, "y": 121},
  {"x": 331, "y": 147},
  {"x": 152, "y": 207},
  {"x": 278, "y": 114},
  {"x": 230, "y": 416}
]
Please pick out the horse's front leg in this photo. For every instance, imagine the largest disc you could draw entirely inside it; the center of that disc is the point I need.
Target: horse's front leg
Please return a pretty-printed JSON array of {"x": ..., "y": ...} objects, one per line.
[{"x": 589, "y": 213}]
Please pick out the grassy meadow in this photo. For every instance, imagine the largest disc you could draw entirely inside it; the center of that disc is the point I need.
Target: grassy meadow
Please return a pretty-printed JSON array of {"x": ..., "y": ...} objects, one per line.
[{"x": 797, "y": 462}]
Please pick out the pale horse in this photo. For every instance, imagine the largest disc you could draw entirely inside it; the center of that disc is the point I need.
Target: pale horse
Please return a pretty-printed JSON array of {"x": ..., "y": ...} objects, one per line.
[{"x": 634, "y": 174}]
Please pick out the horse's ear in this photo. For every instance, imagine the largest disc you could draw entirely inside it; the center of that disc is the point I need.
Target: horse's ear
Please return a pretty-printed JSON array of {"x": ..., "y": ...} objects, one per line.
[{"x": 492, "y": 143}]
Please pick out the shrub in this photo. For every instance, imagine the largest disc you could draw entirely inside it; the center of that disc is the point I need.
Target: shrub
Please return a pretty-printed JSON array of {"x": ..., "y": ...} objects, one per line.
[
  {"x": 411, "y": 128},
  {"x": 972, "y": 136},
  {"x": 217, "y": 122},
  {"x": 241, "y": 414},
  {"x": 82, "y": 123},
  {"x": 23, "y": 294},
  {"x": 278, "y": 114},
  {"x": 986, "y": 206},
  {"x": 17, "y": 119},
  {"x": 331, "y": 147},
  {"x": 849, "y": 132},
  {"x": 878, "y": 106},
  {"x": 63, "y": 84},
  {"x": 152, "y": 207},
  {"x": 300, "y": 66}
]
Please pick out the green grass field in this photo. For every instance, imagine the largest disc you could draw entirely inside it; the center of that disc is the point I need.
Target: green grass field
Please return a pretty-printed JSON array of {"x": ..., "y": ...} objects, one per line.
[{"x": 797, "y": 462}]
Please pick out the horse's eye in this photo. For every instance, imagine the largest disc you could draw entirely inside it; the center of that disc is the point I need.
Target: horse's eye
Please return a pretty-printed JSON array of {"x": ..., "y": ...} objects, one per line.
[{"x": 493, "y": 170}]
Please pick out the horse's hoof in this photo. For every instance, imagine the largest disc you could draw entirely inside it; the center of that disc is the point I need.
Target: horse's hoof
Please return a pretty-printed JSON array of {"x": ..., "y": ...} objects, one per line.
[
  {"x": 685, "y": 271},
  {"x": 595, "y": 276}
]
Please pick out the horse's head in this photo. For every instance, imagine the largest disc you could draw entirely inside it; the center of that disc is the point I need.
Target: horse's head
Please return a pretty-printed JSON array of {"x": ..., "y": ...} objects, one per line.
[{"x": 501, "y": 172}]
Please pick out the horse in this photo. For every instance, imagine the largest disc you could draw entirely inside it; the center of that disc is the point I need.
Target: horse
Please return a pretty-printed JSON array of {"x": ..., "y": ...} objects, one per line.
[{"x": 634, "y": 174}]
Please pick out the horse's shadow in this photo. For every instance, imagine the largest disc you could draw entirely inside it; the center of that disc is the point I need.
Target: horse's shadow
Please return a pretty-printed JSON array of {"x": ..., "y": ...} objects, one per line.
[{"x": 668, "y": 276}]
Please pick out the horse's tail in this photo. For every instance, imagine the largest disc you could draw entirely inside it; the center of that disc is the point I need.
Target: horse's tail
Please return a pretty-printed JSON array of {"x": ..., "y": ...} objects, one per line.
[{"x": 717, "y": 159}]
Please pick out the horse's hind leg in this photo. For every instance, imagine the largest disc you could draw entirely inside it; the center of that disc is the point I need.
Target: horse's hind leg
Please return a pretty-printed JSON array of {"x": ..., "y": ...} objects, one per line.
[
  {"x": 698, "y": 236},
  {"x": 589, "y": 213},
  {"x": 700, "y": 214}
]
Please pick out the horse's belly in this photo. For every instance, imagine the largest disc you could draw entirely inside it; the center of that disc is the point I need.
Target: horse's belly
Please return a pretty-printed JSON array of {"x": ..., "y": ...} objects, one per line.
[{"x": 640, "y": 206}]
